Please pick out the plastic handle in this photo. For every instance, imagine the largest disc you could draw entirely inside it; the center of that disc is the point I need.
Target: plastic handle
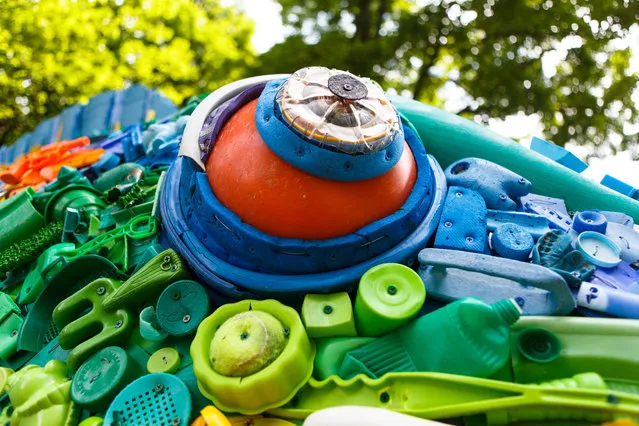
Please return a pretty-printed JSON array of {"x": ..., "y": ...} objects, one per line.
[
  {"x": 461, "y": 284},
  {"x": 444, "y": 396}
]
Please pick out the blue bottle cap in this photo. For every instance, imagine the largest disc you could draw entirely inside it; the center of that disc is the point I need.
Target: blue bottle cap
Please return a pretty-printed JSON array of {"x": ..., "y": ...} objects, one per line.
[
  {"x": 589, "y": 220},
  {"x": 599, "y": 249}
]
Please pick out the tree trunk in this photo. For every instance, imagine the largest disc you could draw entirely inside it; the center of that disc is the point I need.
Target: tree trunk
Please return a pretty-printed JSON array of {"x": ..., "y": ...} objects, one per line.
[
  {"x": 381, "y": 11},
  {"x": 363, "y": 20}
]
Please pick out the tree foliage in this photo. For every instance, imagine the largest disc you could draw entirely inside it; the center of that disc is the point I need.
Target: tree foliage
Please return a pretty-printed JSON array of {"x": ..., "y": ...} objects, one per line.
[
  {"x": 500, "y": 54},
  {"x": 54, "y": 53}
]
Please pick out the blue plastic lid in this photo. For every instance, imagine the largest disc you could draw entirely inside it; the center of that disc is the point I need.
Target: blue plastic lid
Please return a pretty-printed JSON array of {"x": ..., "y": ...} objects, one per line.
[
  {"x": 590, "y": 220},
  {"x": 599, "y": 249}
]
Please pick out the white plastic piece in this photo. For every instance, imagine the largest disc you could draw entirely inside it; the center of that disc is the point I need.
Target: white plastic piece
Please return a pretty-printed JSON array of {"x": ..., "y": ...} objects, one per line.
[
  {"x": 190, "y": 146},
  {"x": 364, "y": 416}
]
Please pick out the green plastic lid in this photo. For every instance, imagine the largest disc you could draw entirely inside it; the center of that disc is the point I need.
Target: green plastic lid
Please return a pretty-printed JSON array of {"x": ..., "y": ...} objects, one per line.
[
  {"x": 101, "y": 377},
  {"x": 539, "y": 345},
  {"x": 181, "y": 307},
  {"x": 165, "y": 360},
  {"x": 388, "y": 296}
]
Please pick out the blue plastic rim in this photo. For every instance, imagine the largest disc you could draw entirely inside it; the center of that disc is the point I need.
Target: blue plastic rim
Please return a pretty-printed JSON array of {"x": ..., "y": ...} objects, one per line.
[{"x": 223, "y": 278}]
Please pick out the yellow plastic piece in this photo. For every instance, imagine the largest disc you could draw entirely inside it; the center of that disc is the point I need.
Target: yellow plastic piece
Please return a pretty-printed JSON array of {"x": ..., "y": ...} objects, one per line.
[
  {"x": 214, "y": 417},
  {"x": 199, "y": 422},
  {"x": 92, "y": 421},
  {"x": 4, "y": 375},
  {"x": 41, "y": 396},
  {"x": 622, "y": 422},
  {"x": 259, "y": 421}
]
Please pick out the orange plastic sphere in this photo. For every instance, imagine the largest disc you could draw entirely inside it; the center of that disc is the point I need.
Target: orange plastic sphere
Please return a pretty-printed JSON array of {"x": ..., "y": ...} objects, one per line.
[{"x": 271, "y": 195}]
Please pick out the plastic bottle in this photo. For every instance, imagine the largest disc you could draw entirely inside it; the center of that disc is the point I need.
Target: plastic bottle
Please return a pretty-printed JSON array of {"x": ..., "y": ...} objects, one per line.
[{"x": 467, "y": 337}]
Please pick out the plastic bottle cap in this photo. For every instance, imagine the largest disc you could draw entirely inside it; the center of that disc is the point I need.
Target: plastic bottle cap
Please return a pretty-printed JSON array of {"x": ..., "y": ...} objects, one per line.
[
  {"x": 599, "y": 249},
  {"x": 508, "y": 309},
  {"x": 181, "y": 307},
  {"x": 590, "y": 221},
  {"x": 388, "y": 296},
  {"x": 100, "y": 378},
  {"x": 149, "y": 328},
  {"x": 165, "y": 360},
  {"x": 539, "y": 345}
]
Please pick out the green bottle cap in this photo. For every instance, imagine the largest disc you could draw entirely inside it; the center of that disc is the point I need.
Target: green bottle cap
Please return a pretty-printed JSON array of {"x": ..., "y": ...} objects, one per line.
[
  {"x": 539, "y": 345},
  {"x": 508, "y": 310},
  {"x": 165, "y": 360},
  {"x": 388, "y": 296},
  {"x": 181, "y": 307},
  {"x": 101, "y": 377}
]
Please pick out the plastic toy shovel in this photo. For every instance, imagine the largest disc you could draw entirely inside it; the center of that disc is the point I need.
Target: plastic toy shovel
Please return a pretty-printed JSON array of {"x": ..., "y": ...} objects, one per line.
[{"x": 451, "y": 275}]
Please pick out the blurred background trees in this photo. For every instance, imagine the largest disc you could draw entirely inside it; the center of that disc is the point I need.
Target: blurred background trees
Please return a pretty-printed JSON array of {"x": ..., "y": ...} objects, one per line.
[{"x": 566, "y": 61}]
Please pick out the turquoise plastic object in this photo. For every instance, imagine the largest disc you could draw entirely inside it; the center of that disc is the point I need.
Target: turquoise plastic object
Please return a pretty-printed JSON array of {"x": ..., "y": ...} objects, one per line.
[
  {"x": 450, "y": 138},
  {"x": 598, "y": 249},
  {"x": 451, "y": 275},
  {"x": 19, "y": 218},
  {"x": 150, "y": 327},
  {"x": 154, "y": 399},
  {"x": 558, "y": 154},
  {"x": 500, "y": 187},
  {"x": 388, "y": 296},
  {"x": 534, "y": 224},
  {"x": 462, "y": 225},
  {"x": 589, "y": 221},
  {"x": 328, "y": 315},
  {"x": 479, "y": 332},
  {"x": 554, "y": 251},
  {"x": 181, "y": 307},
  {"x": 512, "y": 241}
]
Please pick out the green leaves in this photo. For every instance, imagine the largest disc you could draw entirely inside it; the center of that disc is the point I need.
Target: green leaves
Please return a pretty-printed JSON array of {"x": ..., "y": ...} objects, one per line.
[
  {"x": 566, "y": 60},
  {"x": 54, "y": 53}
]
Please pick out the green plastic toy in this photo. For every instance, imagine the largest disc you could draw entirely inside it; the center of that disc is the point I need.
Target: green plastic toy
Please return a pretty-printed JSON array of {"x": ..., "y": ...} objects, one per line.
[
  {"x": 34, "y": 282},
  {"x": 181, "y": 307},
  {"x": 19, "y": 218},
  {"x": 467, "y": 337},
  {"x": 40, "y": 396},
  {"x": 331, "y": 352},
  {"x": 545, "y": 348},
  {"x": 328, "y": 315},
  {"x": 388, "y": 296},
  {"x": 24, "y": 251},
  {"x": 101, "y": 377},
  {"x": 273, "y": 385},
  {"x": 444, "y": 396},
  {"x": 10, "y": 324},
  {"x": 83, "y": 198},
  {"x": 112, "y": 318},
  {"x": 450, "y": 138}
]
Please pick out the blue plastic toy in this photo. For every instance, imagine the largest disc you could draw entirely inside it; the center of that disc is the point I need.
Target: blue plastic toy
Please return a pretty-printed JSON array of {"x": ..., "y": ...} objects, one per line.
[
  {"x": 512, "y": 241},
  {"x": 462, "y": 225},
  {"x": 500, "y": 187}
]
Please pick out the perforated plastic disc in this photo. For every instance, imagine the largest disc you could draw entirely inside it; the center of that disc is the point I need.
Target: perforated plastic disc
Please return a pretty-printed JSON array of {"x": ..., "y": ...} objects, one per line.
[{"x": 158, "y": 399}]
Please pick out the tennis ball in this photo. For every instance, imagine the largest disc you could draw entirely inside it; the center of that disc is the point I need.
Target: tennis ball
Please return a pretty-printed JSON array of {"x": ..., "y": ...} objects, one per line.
[{"x": 247, "y": 343}]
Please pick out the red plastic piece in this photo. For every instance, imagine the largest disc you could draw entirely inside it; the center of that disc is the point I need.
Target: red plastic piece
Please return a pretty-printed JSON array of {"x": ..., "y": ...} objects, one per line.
[{"x": 271, "y": 195}]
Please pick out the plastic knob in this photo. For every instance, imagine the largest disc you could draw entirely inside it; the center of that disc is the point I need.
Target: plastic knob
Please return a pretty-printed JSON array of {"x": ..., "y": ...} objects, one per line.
[{"x": 590, "y": 221}]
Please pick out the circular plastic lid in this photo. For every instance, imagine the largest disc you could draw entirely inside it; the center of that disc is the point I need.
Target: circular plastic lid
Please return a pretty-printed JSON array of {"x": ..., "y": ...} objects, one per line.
[
  {"x": 590, "y": 220},
  {"x": 388, "y": 295},
  {"x": 338, "y": 111},
  {"x": 100, "y": 377},
  {"x": 181, "y": 307},
  {"x": 539, "y": 345},
  {"x": 165, "y": 360},
  {"x": 599, "y": 249}
]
